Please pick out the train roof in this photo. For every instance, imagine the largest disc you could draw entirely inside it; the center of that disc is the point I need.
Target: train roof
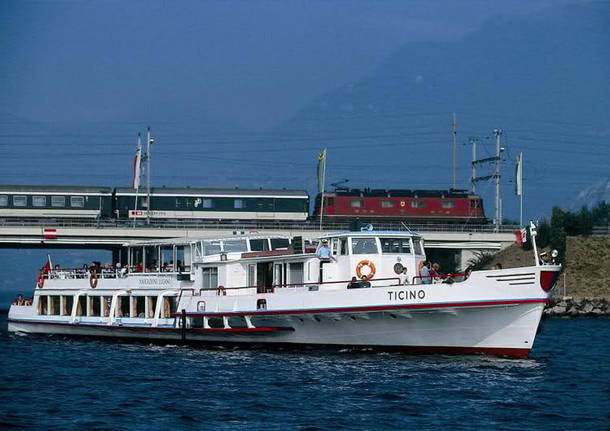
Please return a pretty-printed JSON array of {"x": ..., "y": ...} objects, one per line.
[
  {"x": 216, "y": 192},
  {"x": 451, "y": 193},
  {"x": 55, "y": 189}
]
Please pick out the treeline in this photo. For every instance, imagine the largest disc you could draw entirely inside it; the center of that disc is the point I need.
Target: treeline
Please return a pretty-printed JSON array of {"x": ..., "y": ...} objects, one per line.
[{"x": 567, "y": 223}]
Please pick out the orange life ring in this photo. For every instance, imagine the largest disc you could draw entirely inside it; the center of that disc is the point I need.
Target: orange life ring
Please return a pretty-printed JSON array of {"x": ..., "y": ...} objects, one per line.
[
  {"x": 93, "y": 280},
  {"x": 40, "y": 280},
  {"x": 221, "y": 291},
  {"x": 371, "y": 266}
]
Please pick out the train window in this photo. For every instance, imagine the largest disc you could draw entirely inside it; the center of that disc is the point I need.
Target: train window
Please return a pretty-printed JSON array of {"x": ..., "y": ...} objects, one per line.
[
  {"x": 475, "y": 203},
  {"x": 417, "y": 204},
  {"x": 20, "y": 201},
  {"x": 58, "y": 201},
  {"x": 206, "y": 203},
  {"x": 259, "y": 245},
  {"x": 238, "y": 203},
  {"x": 388, "y": 204},
  {"x": 364, "y": 246},
  {"x": 209, "y": 277},
  {"x": 77, "y": 201},
  {"x": 280, "y": 243},
  {"x": 211, "y": 247},
  {"x": 448, "y": 204},
  {"x": 3, "y": 201},
  {"x": 356, "y": 203},
  {"x": 39, "y": 201},
  {"x": 330, "y": 202},
  {"x": 395, "y": 245}
]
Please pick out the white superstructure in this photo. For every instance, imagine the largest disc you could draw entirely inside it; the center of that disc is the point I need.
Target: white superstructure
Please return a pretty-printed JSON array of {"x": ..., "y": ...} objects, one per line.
[{"x": 255, "y": 289}]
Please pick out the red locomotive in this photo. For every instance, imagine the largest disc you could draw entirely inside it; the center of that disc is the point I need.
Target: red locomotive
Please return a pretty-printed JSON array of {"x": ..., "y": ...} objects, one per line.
[{"x": 415, "y": 206}]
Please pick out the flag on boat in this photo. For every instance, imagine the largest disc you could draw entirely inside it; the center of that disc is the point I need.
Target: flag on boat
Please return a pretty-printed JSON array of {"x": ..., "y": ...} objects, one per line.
[
  {"x": 521, "y": 236},
  {"x": 321, "y": 169},
  {"x": 519, "y": 175},
  {"x": 136, "y": 165}
]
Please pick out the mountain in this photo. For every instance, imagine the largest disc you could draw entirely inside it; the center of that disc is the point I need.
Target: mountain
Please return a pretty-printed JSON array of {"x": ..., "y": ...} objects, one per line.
[{"x": 591, "y": 195}]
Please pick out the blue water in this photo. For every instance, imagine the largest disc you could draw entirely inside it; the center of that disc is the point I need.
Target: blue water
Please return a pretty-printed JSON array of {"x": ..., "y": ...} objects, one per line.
[{"x": 50, "y": 382}]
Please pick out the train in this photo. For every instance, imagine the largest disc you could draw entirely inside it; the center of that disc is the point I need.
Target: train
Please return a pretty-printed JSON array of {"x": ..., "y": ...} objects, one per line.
[{"x": 235, "y": 204}]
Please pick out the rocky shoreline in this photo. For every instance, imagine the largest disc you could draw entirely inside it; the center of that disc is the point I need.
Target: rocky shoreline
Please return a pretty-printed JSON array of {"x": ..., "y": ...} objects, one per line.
[{"x": 578, "y": 307}]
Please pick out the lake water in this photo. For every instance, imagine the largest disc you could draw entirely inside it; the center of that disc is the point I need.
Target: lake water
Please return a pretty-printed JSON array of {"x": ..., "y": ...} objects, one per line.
[{"x": 75, "y": 383}]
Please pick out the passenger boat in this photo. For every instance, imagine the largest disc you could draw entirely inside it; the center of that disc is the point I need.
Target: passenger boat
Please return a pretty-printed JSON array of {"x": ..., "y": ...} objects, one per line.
[{"x": 274, "y": 290}]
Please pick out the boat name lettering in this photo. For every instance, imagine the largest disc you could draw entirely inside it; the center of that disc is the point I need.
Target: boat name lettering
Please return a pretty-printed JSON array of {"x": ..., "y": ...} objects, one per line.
[
  {"x": 155, "y": 280},
  {"x": 401, "y": 295}
]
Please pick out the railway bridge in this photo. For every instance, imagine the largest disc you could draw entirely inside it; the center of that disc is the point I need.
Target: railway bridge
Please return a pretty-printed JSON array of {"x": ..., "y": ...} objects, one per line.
[{"x": 450, "y": 244}]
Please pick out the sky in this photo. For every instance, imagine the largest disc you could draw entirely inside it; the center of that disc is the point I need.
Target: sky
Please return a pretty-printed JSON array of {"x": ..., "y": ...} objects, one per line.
[{"x": 242, "y": 93}]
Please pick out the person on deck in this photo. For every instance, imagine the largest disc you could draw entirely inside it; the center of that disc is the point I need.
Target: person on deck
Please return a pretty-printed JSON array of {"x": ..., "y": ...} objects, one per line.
[
  {"x": 325, "y": 256},
  {"x": 425, "y": 273},
  {"x": 354, "y": 284}
]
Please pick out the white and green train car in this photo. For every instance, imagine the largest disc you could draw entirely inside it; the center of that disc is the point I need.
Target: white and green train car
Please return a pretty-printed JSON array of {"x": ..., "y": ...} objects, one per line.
[
  {"x": 87, "y": 202},
  {"x": 212, "y": 204}
]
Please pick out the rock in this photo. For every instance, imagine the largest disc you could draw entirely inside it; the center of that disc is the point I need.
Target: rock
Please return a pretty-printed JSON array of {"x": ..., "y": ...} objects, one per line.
[
  {"x": 558, "y": 310},
  {"x": 588, "y": 307}
]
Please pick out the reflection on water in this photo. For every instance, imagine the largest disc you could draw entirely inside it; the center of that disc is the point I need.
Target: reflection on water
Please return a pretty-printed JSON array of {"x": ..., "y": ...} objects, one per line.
[{"x": 73, "y": 383}]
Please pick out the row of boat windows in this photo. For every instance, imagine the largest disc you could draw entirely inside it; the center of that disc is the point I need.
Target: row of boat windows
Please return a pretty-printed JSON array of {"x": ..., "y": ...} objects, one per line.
[
  {"x": 370, "y": 246},
  {"x": 127, "y": 306},
  {"x": 42, "y": 201}
]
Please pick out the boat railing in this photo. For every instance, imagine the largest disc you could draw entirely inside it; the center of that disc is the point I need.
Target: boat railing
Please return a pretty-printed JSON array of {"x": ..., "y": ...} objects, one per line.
[
  {"x": 440, "y": 278},
  {"x": 222, "y": 290}
]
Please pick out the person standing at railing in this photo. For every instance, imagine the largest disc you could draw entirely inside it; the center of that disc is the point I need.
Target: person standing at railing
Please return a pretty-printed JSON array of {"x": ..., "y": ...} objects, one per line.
[
  {"x": 325, "y": 256},
  {"x": 426, "y": 278}
]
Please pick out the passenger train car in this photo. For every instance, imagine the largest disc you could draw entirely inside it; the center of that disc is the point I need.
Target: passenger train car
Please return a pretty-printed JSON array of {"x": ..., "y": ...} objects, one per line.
[
  {"x": 444, "y": 206},
  {"x": 213, "y": 204},
  {"x": 55, "y": 202}
]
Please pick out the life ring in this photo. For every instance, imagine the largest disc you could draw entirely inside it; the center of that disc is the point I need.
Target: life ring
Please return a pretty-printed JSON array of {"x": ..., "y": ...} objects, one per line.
[
  {"x": 93, "y": 279},
  {"x": 221, "y": 291},
  {"x": 362, "y": 264},
  {"x": 40, "y": 280}
]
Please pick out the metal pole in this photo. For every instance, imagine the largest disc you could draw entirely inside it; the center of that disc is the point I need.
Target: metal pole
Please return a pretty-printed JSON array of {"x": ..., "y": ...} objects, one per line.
[
  {"x": 137, "y": 181},
  {"x": 497, "y": 133},
  {"x": 474, "y": 157},
  {"x": 148, "y": 176},
  {"x": 521, "y": 190},
  {"x": 454, "y": 147},
  {"x": 323, "y": 187}
]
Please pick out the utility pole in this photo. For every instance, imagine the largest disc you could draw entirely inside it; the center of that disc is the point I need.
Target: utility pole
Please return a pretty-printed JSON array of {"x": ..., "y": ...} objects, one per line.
[
  {"x": 497, "y": 134},
  {"x": 454, "y": 148},
  {"x": 149, "y": 140},
  {"x": 473, "y": 142}
]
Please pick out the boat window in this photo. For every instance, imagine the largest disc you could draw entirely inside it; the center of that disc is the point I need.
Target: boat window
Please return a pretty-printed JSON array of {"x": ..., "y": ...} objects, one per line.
[
  {"x": 167, "y": 258},
  {"x": 395, "y": 245},
  {"x": 259, "y": 245},
  {"x": 20, "y": 201},
  {"x": 343, "y": 247},
  {"x": 335, "y": 246},
  {"x": 364, "y": 246},
  {"x": 296, "y": 272},
  {"x": 123, "y": 306},
  {"x": 151, "y": 258},
  {"x": 169, "y": 306},
  {"x": 261, "y": 304},
  {"x": 39, "y": 201},
  {"x": 417, "y": 248},
  {"x": 136, "y": 254},
  {"x": 183, "y": 258},
  {"x": 206, "y": 203},
  {"x": 81, "y": 306},
  {"x": 356, "y": 203},
  {"x": 3, "y": 201},
  {"x": 106, "y": 303},
  {"x": 77, "y": 201},
  {"x": 67, "y": 305},
  {"x": 152, "y": 305},
  {"x": 280, "y": 243},
  {"x": 238, "y": 204},
  {"x": 43, "y": 304},
  {"x": 251, "y": 274},
  {"x": 235, "y": 245},
  {"x": 54, "y": 310},
  {"x": 58, "y": 201},
  {"x": 211, "y": 247},
  {"x": 138, "y": 306},
  {"x": 210, "y": 277},
  {"x": 94, "y": 306},
  {"x": 388, "y": 204},
  {"x": 417, "y": 204}
]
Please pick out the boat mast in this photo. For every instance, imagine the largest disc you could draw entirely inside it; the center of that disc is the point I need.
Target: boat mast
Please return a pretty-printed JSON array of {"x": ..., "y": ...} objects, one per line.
[
  {"x": 148, "y": 142},
  {"x": 454, "y": 148}
]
